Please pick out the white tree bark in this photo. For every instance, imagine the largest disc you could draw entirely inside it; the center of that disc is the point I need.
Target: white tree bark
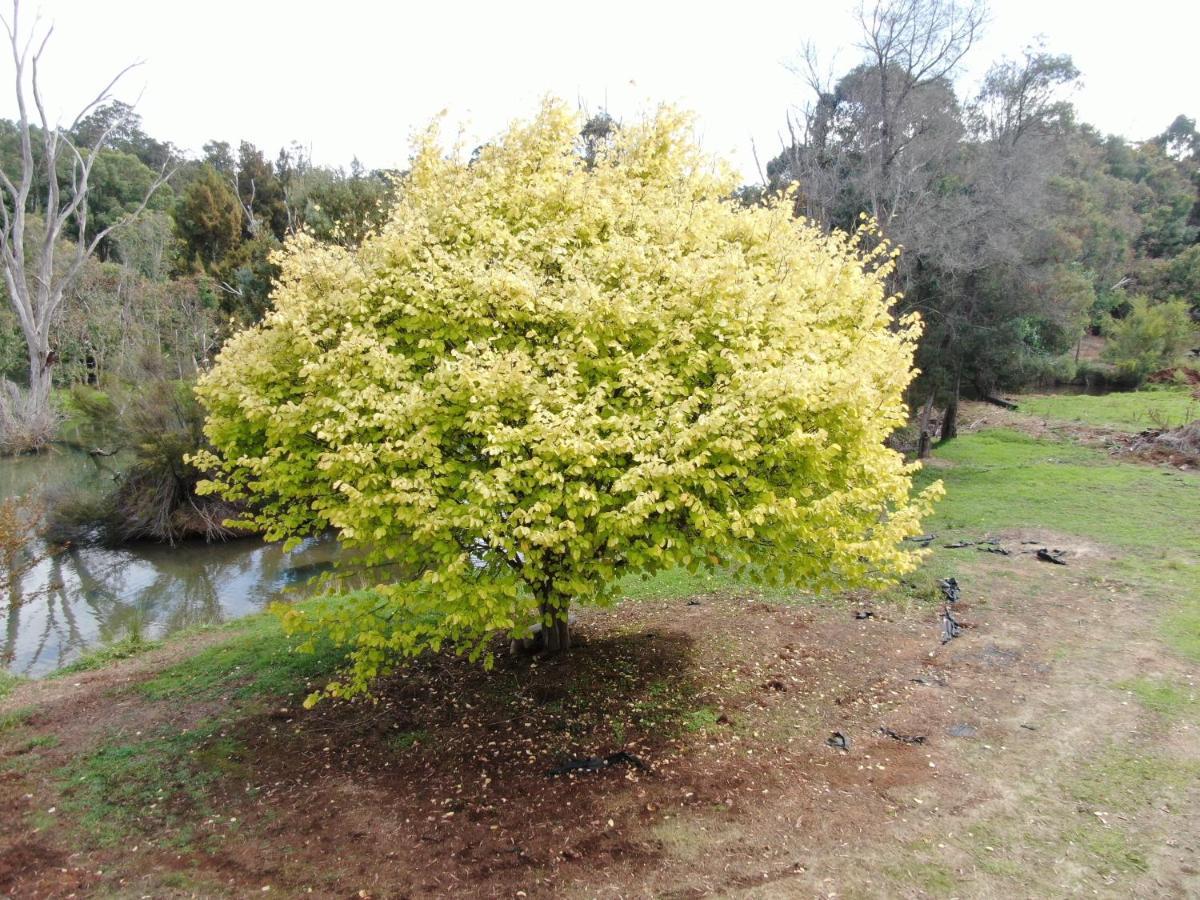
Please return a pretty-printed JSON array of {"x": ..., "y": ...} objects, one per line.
[{"x": 37, "y": 272}]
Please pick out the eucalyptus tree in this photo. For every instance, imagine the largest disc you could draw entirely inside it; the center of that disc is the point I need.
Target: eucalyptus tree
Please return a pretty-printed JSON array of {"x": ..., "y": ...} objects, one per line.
[{"x": 38, "y": 267}]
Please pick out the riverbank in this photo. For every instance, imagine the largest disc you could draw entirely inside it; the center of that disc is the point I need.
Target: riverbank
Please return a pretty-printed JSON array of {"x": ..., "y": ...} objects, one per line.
[
  {"x": 1051, "y": 748},
  {"x": 68, "y": 600}
]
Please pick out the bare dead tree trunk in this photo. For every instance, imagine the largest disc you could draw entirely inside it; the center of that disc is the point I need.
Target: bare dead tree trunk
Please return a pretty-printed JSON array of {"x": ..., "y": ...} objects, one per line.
[
  {"x": 253, "y": 226},
  {"x": 909, "y": 44},
  {"x": 29, "y": 249},
  {"x": 41, "y": 362},
  {"x": 924, "y": 440}
]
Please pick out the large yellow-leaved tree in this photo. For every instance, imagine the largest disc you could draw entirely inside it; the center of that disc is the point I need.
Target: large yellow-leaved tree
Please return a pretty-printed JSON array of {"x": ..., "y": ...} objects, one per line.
[{"x": 552, "y": 369}]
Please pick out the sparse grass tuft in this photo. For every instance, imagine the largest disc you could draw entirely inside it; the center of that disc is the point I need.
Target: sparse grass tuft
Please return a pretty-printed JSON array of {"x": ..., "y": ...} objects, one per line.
[
  {"x": 1119, "y": 779},
  {"x": 664, "y": 709},
  {"x": 701, "y": 719},
  {"x": 8, "y": 683},
  {"x": 1182, "y": 627},
  {"x": 14, "y": 718},
  {"x": 157, "y": 787},
  {"x": 914, "y": 591},
  {"x": 126, "y": 648},
  {"x": 35, "y": 743},
  {"x": 682, "y": 840},
  {"x": 932, "y": 878},
  {"x": 259, "y": 660},
  {"x": 406, "y": 740},
  {"x": 1110, "y": 849},
  {"x": 1172, "y": 700}
]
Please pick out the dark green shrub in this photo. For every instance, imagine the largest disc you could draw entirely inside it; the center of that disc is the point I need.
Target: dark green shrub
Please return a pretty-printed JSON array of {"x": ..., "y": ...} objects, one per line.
[{"x": 1152, "y": 336}]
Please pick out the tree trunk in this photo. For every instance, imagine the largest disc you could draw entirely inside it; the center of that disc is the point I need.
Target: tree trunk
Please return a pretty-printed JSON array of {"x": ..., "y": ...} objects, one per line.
[
  {"x": 553, "y": 639},
  {"x": 924, "y": 440},
  {"x": 950, "y": 420},
  {"x": 923, "y": 443},
  {"x": 557, "y": 637},
  {"x": 41, "y": 361}
]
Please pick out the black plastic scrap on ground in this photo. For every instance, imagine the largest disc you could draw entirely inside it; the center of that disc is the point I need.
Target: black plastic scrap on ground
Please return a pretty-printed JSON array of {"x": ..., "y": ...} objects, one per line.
[
  {"x": 923, "y": 539},
  {"x": 950, "y": 589},
  {"x": 982, "y": 544},
  {"x": 951, "y": 627},
  {"x": 596, "y": 763},
  {"x": 991, "y": 545},
  {"x": 1051, "y": 556},
  {"x": 902, "y": 738}
]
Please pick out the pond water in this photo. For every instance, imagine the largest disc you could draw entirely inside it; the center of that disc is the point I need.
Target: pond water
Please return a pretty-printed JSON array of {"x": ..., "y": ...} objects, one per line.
[{"x": 61, "y": 603}]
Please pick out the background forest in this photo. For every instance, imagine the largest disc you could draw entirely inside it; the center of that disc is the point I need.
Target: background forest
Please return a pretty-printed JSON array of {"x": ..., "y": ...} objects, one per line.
[{"x": 1037, "y": 249}]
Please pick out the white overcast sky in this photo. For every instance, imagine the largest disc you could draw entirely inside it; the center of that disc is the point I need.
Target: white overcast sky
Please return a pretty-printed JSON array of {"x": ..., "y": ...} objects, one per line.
[{"x": 354, "y": 77}]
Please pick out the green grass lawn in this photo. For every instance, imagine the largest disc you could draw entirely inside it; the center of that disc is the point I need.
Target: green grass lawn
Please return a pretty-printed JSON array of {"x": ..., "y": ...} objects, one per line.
[
  {"x": 257, "y": 659},
  {"x": 1149, "y": 515},
  {"x": 1128, "y": 411},
  {"x": 1006, "y": 479}
]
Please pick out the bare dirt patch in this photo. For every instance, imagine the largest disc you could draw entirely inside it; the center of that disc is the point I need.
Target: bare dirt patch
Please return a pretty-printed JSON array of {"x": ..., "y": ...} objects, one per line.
[
  {"x": 1091, "y": 347},
  {"x": 1177, "y": 375},
  {"x": 978, "y": 416}
]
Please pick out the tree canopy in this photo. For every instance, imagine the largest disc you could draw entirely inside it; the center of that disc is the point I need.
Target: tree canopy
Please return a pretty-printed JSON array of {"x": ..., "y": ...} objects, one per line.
[
  {"x": 551, "y": 369},
  {"x": 1020, "y": 227}
]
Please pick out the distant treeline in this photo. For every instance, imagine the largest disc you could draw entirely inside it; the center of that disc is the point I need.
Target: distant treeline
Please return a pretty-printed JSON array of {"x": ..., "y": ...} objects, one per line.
[
  {"x": 1021, "y": 227},
  {"x": 196, "y": 262}
]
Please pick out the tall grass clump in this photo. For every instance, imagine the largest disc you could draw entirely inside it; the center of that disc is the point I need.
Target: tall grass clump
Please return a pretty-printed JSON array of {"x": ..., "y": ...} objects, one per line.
[{"x": 23, "y": 427}]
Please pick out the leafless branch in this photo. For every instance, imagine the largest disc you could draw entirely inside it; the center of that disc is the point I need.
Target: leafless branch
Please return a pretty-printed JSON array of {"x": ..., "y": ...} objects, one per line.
[{"x": 36, "y": 287}]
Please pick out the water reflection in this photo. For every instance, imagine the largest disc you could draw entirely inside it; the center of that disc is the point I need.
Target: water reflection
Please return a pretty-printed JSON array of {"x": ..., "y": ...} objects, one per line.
[{"x": 79, "y": 598}]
